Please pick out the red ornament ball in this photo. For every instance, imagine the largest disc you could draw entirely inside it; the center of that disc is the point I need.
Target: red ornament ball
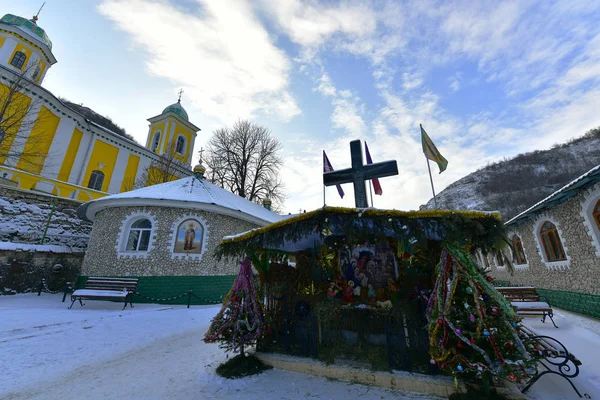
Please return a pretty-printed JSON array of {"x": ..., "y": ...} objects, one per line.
[
  {"x": 495, "y": 310},
  {"x": 406, "y": 255},
  {"x": 512, "y": 377},
  {"x": 472, "y": 340},
  {"x": 234, "y": 299},
  {"x": 489, "y": 279},
  {"x": 459, "y": 345},
  {"x": 440, "y": 321}
]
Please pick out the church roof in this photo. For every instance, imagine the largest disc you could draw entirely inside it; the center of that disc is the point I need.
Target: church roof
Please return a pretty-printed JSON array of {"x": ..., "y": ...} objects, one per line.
[
  {"x": 560, "y": 196},
  {"x": 178, "y": 109},
  {"x": 28, "y": 26},
  {"x": 188, "y": 192}
]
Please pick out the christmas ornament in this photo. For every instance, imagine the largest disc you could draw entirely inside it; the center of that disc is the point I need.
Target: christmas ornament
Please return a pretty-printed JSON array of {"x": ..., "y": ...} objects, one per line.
[
  {"x": 512, "y": 377},
  {"x": 472, "y": 340},
  {"x": 470, "y": 290},
  {"x": 486, "y": 297},
  {"x": 467, "y": 305},
  {"x": 489, "y": 279},
  {"x": 458, "y": 331},
  {"x": 495, "y": 310},
  {"x": 440, "y": 321},
  {"x": 459, "y": 367},
  {"x": 432, "y": 361},
  {"x": 486, "y": 333},
  {"x": 472, "y": 318},
  {"x": 459, "y": 345}
]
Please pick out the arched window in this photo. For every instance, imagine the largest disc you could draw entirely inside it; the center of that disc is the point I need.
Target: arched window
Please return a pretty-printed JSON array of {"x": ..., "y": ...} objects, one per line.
[
  {"x": 155, "y": 141},
  {"x": 180, "y": 145},
  {"x": 138, "y": 238},
  {"x": 553, "y": 247},
  {"x": 499, "y": 259},
  {"x": 96, "y": 180},
  {"x": 518, "y": 250},
  {"x": 36, "y": 73},
  {"x": 18, "y": 60},
  {"x": 596, "y": 213}
]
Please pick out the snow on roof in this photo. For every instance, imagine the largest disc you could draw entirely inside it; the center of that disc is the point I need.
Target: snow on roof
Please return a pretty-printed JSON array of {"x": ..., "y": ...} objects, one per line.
[
  {"x": 188, "y": 192},
  {"x": 43, "y": 248},
  {"x": 561, "y": 195}
]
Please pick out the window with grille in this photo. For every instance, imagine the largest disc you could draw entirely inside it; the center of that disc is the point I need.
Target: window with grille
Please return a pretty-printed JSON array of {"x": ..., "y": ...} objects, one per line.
[
  {"x": 36, "y": 73},
  {"x": 551, "y": 242},
  {"x": 518, "y": 250},
  {"x": 96, "y": 180},
  {"x": 139, "y": 236},
  {"x": 18, "y": 60},
  {"x": 180, "y": 145}
]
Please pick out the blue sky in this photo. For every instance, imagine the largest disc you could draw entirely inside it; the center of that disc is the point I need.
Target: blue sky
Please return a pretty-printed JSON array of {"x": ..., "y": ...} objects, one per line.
[{"x": 487, "y": 80}]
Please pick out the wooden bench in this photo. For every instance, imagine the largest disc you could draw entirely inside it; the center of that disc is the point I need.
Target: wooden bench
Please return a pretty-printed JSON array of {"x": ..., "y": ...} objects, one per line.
[
  {"x": 527, "y": 301},
  {"x": 550, "y": 354},
  {"x": 107, "y": 289}
]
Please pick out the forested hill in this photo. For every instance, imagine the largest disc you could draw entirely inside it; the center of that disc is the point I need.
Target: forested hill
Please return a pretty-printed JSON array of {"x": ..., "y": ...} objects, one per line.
[{"x": 513, "y": 185}]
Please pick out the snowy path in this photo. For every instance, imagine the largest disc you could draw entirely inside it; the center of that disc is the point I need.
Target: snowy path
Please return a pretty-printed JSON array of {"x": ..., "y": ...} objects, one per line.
[
  {"x": 151, "y": 352},
  {"x": 156, "y": 352}
]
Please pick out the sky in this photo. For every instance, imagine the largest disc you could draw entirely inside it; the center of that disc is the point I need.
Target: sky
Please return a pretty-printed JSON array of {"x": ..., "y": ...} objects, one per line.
[{"x": 488, "y": 80}]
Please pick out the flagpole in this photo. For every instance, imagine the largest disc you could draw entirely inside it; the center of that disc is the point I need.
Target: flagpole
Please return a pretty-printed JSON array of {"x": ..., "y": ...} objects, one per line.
[
  {"x": 371, "y": 190},
  {"x": 431, "y": 180},
  {"x": 324, "y": 195}
]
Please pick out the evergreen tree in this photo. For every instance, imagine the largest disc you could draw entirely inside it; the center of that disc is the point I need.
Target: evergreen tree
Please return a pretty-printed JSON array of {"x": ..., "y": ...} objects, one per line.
[
  {"x": 472, "y": 326},
  {"x": 241, "y": 318}
]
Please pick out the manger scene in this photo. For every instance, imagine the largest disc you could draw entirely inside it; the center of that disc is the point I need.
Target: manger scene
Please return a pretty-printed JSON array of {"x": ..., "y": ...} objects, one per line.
[{"x": 374, "y": 288}]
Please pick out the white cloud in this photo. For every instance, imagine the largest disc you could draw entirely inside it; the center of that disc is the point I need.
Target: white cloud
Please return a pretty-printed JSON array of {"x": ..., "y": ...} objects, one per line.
[
  {"x": 221, "y": 54},
  {"x": 411, "y": 80}
]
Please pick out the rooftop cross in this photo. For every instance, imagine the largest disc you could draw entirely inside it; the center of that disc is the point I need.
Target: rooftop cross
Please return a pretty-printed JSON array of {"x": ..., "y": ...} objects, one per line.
[
  {"x": 200, "y": 152},
  {"x": 180, "y": 93},
  {"x": 35, "y": 17},
  {"x": 359, "y": 173}
]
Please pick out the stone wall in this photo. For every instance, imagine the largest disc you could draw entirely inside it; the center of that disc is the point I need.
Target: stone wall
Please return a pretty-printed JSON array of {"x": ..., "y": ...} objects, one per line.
[
  {"x": 22, "y": 271},
  {"x": 102, "y": 256},
  {"x": 581, "y": 275}
]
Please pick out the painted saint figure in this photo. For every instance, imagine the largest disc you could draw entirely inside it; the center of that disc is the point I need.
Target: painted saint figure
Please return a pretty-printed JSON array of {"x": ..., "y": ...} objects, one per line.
[{"x": 188, "y": 241}]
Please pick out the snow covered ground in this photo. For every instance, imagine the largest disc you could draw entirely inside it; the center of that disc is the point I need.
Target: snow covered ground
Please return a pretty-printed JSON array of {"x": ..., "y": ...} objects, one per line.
[{"x": 156, "y": 352}]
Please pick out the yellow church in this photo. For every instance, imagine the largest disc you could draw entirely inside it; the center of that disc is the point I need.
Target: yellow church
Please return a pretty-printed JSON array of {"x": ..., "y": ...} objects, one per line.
[{"x": 54, "y": 146}]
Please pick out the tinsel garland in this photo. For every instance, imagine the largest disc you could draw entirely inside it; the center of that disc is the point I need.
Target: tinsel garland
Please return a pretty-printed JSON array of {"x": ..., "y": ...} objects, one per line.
[
  {"x": 457, "y": 270},
  {"x": 241, "y": 318}
]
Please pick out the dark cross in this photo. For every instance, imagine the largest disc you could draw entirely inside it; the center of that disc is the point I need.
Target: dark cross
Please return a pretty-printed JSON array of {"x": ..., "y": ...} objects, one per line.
[
  {"x": 200, "y": 152},
  {"x": 180, "y": 93},
  {"x": 359, "y": 173}
]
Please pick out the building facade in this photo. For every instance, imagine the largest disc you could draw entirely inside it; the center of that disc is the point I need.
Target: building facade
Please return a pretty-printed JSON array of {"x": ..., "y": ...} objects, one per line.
[
  {"x": 556, "y": 246},
  {"x": 166, "y": 234},
  {"x": 48, "y": 146}
]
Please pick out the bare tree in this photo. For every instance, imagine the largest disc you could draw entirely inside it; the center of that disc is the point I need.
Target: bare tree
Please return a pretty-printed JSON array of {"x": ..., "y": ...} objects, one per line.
[
  {"x": 19, "y": 115},
  {"x": 244, "y": 160},
  {"x": 167, "y": 168}
]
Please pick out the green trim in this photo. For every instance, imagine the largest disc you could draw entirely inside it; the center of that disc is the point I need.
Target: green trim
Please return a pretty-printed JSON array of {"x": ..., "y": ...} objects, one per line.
[{"x": 209, "y": 288}]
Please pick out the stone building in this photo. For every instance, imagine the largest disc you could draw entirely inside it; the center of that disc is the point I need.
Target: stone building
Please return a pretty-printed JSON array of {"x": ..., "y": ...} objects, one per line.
[
  {"x": 556, "y": 246},
  {"x": 166, "y": 235}
]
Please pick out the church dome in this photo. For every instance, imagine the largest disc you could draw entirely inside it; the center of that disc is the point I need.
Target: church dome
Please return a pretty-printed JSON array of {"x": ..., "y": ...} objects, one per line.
[
  {"x": 178, "y": 109},
  {"x": 28, "y": 26}
]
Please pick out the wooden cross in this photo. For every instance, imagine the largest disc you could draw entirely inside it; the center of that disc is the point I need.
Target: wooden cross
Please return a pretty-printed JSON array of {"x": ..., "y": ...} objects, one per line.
[{"x": 359, "y": 173}]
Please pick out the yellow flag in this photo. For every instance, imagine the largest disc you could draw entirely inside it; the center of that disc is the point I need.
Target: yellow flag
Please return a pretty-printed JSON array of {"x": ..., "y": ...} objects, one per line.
[{"x": 431, "y": 152}]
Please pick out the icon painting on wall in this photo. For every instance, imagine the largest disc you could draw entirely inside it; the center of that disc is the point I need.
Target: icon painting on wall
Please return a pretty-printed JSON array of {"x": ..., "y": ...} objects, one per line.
[{"x": 189, "y": 237}]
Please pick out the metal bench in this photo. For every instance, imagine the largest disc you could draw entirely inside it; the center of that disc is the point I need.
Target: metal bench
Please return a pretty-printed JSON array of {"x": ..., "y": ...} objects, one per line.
[
  {"x": 527, "y": 301},
  {"x": 551, "y": 354},
  {"x": 107, "y": 289}
]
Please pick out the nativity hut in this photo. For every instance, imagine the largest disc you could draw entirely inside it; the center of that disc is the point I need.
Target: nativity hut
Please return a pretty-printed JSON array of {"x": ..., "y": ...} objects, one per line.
[{"x": 384, "y": 289}]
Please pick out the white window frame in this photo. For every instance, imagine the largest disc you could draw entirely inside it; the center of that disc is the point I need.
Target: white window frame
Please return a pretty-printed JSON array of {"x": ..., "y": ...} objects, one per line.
[
  {"x": 182, "y": 152},
  {"x": 123, "y": 236},
  {"x": 591, "y": 197},
  {"x": 496, "y": 264},
  {"x": 551, "y": 265},
  {"x": 173, "y": 238}
]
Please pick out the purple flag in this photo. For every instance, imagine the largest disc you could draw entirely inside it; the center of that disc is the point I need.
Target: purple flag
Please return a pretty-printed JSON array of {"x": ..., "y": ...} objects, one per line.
[
  {"x": 376, "y": 184},
  {"x": 328, "y": 168}
]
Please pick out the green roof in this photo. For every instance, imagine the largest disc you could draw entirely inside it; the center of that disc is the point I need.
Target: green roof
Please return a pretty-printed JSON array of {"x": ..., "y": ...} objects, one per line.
[
  {"x": 177, "y": 109},
  {"x": 27, "y": 25}
]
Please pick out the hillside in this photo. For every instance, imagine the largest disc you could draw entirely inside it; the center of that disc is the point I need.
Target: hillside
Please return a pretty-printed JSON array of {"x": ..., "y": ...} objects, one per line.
[{"x": 511, "y": 186}]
